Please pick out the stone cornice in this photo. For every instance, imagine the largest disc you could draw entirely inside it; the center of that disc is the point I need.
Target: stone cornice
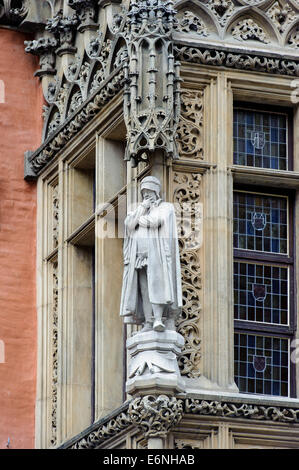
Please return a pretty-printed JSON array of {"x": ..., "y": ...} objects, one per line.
[
  {"x": 145, "y": 414},
  {"x": 258, "y": 62}
]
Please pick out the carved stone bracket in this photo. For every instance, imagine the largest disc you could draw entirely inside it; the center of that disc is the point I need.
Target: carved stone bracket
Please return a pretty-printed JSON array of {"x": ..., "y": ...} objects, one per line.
[
  {"x": 155, "y": 415},
  {"x": 151, "y": 96},
  {"x": 44, "y": 48}
]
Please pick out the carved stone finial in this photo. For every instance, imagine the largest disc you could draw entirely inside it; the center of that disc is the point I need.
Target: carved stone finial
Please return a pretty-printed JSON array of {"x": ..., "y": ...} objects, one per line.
[
  {"x": 155, "y": 415},
  {"x": 151, "y": 96}
]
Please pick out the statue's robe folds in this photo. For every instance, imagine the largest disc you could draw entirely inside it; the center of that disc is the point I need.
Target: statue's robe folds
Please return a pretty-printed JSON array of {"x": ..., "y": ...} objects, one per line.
[{"x": 163, "y": 265}]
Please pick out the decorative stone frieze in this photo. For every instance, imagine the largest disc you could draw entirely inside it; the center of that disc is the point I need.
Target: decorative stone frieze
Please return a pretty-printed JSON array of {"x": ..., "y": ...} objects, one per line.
[
  {"x": 151, "y": 95},
  {"x": 106, "y": 431},
  {"x": 44, "y": 48},
  {"x": 236, "y": 60},
  {"x": 155, "y": 415},
  {"x": 241, "y": 410}
]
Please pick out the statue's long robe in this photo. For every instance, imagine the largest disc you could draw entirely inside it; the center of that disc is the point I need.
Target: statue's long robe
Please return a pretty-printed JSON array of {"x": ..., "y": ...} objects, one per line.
[{"x": 163, "y": 270}]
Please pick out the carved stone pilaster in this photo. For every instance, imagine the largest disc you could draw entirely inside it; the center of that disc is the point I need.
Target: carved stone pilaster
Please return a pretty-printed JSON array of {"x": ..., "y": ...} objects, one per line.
[
  {"x": 86, "y": 11},
  {"x": 63, "y": 28},
  {"x": 151, "y": 96},
  {"x": 44, "y": 48},
  {"x": 155, "y": 415}
]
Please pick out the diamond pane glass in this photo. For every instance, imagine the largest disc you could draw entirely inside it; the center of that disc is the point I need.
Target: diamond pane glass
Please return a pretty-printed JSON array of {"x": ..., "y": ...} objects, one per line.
[
  {"x": 260, "y": 139},
  {"x": 261, "y": 293},
  {"x": 262, "y": 364},
  {"x": 260, "y": 222}
]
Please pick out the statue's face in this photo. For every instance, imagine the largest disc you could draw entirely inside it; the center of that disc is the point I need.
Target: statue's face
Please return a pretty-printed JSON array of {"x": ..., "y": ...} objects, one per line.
[{"x": 148, "y": 194}]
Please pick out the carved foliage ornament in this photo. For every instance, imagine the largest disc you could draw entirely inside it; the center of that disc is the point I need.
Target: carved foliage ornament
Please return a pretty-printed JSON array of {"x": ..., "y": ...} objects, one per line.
[
  {"x": 190, "y": 127},
  {"x": 241, "y": 410},
  {"x": 248, "y": 29},
  {"x": 155, "y": 416},
  {"x": 238, "y": 61},
  {"x": 191, "y": 23},
  {"x": 188, "y": 211},
  {"x": 281, "y": 16},
  {"x": 54, "y": 323},
  {"x": 151, "y": 95}
]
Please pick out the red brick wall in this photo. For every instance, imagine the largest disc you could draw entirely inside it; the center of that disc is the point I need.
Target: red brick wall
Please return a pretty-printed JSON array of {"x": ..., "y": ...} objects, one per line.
[{"x": 20, "y": 130}]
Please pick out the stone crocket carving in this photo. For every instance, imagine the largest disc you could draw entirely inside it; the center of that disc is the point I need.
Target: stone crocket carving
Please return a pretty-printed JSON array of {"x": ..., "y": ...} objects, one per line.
[{"x": 152, "y": 278}]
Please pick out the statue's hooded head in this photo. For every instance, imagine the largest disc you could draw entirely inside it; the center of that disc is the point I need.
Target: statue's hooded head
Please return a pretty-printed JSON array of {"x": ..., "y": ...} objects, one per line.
[{"x": 151, "y": 183}]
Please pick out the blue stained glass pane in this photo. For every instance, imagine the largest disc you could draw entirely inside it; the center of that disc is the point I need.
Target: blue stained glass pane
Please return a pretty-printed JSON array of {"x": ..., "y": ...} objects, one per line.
[
  {"x": 274, "y": 135},
  {"x": 275, "y": 246},
  {"x": 260, "y": 139},
  {"x": 249, "y": 147},
  {"x": 275, "y": 216}
]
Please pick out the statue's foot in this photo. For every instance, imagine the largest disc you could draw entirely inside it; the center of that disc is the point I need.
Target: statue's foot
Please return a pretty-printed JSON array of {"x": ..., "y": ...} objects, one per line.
[
  {"x": 147, "y": 327},
  {"x": 158, "y": 326}
]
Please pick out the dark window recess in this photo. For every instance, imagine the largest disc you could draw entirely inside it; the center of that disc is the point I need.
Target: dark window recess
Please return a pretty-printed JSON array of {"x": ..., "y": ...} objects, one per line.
[{"x": 263, "y": 293}]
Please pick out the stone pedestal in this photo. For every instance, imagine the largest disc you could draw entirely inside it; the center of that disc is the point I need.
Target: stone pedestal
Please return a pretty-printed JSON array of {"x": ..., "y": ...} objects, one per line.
[{"x": 153, "y": 363}]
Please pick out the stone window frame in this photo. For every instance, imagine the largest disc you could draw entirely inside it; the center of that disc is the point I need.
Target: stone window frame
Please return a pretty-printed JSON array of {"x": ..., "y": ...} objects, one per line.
[
  {"x": 268, "y": 180},
  {"x": 58, "y": 397}
]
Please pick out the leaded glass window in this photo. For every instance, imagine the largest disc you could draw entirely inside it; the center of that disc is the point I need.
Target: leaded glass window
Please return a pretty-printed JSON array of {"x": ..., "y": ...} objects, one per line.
[
  {"x": 262, "y": 364},
  {"x": 263, "y": 299},
  {"x": 260, "y": 222},
  {"x": 261, "y": 138}
]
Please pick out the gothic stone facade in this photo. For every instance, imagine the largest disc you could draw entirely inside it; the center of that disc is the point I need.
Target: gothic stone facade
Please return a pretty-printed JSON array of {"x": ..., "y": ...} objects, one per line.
[{"x": 204, "y": 96}]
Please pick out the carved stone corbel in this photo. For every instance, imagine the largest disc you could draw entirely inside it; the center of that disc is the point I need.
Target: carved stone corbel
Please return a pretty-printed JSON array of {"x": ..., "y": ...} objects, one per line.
[
  {"x": 44, "y": 48},
  {"x": 152, "y": 91},
  {"x": 155, "y": 415},
  {"x": 86, "y": 11}
]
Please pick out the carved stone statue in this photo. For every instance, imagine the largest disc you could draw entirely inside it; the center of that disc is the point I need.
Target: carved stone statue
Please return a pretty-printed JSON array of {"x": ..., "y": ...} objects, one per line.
[{"x": 151, "y": 291}]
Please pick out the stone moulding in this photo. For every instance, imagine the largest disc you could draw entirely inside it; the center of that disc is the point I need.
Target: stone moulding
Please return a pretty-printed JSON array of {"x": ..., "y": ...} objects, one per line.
[
  {"x": 156, "y": 416},
  {"x": 236, "y": 60},
  {"x": 36, "y": 162}
]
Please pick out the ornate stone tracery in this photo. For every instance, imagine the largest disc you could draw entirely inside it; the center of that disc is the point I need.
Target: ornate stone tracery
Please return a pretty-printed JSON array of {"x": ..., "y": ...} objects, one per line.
[
  {"x": 188, "y": 208},
  {"x": 54, "y": 353},
  {"x": 190, "y": 127},
  {"x": 151, "y": 103}
]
